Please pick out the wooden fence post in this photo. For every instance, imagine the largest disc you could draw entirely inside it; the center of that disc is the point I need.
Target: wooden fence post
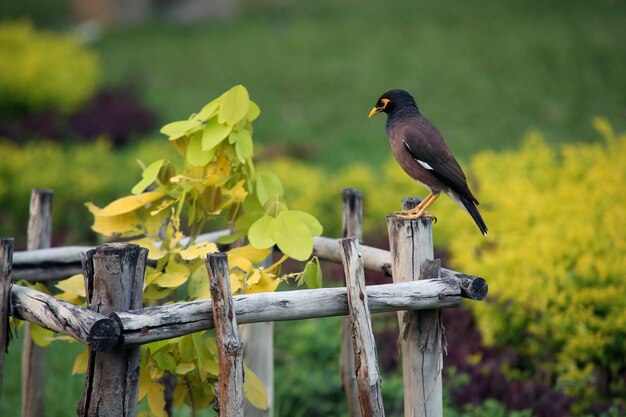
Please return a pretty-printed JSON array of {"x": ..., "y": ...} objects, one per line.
[
  {"x": 6, "y": 260},
  {"x": 258, "y": 344},
  {"x": 33, "y": 356},
  {"x": 421, "y": 343},
  {"x": 352, "y": 219},
  {"x": 363, "y": 344},
  {"x": 229, "y": 393},
  {"x": 114, "y": 282}
]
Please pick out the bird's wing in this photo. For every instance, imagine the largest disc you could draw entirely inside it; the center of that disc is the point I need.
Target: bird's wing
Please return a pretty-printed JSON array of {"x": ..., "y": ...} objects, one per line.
[{"x": 426, "y": 145}]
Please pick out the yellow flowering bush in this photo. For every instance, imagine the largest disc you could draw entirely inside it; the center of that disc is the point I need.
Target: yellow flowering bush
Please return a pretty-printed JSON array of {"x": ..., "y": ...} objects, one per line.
[
  {"x": 44, "y": 70},
  {"x": 555, "y": 258}
]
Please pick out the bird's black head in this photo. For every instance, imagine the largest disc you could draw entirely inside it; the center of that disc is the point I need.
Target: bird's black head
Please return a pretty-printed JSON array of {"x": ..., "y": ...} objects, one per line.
[{"x": 394, "y": 101}]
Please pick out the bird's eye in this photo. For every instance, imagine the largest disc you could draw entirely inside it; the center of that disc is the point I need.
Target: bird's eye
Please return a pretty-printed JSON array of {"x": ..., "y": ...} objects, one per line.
[{"x": 384, "y": 102}]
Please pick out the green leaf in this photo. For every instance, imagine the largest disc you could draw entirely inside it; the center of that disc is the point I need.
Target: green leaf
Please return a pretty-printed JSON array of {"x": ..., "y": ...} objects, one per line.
[
  {"x": 268, "y": 186},
  {"x": 196, "y": 155},
  {"x": 207, "y": 111},
  {"x": 235, "y": 105},
  {"x": 176, "y": 130},
  {"x": 243, "y": 145},
  {"x": 293, "y": 236},
  {"x": 311, "y": 222},
  {"x": 312, "y": 274},
  {"x": 41, "y": 337},
  {"x": 148, "y": 176},
  {"x": 261, "y": 233},
  {"x": 254, "y": 390},
  {"x": 253, "y": 112},
  {"x": 214, "y": 133}
]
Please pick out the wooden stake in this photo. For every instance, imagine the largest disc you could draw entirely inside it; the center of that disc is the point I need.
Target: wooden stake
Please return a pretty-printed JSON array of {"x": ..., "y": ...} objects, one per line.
[
  {"x": 258, "y": 354},
  {"x": 114, "y": 276},
  {"x": 422, "y": 354},
  {"x": 6, "y": 256},
  {"x": 33, "y": 356},
  {"x": 364, "y": 346},
  {"x": 352, "y": 219},
  {"x": 229, "y": 392}
]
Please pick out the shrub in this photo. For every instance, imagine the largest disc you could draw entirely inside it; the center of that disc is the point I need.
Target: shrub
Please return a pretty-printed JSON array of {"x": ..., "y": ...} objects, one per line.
[
  {"x": 76, "y": 173},
  {"x": 555, "y": 259},
  {"x": 43, "y": 70}
]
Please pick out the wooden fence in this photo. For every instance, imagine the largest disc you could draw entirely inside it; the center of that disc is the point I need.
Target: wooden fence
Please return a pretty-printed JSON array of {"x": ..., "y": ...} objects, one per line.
[{"x": 114, "y": 323}]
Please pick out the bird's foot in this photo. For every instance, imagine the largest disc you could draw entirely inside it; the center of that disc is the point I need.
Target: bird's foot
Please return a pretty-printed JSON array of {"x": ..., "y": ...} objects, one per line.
[{"x": 413, "y": 214}]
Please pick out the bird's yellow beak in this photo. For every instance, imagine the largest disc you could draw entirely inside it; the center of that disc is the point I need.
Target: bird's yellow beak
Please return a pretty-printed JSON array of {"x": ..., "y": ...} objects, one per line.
[{"x": 374, "y": 111}]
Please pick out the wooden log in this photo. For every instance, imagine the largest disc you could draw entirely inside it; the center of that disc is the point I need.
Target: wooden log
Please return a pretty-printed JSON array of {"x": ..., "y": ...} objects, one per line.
[
  {"x": 62, "y": 262},
  {"x": 352, "y": 219},
  {"x": 164, "y": 322},
  {"x": 258, "y": 355},
  {"x": 6, "y": 256},
  {"x": 229, "y": 392},
  {"x": 59, "y": 263},
  {"x": 114, "y": 274},
  {"x": 379, "y": 260},
  {"x": 422, "y": 363},
  {"x": 364, "y": 346},
  {"x": 39, "y": 236},
  {"x": 99, "y": 332}
]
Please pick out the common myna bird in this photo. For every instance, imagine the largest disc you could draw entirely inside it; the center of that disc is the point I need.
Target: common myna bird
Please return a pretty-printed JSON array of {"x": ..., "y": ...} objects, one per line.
[{"x": 421, "y": 151}]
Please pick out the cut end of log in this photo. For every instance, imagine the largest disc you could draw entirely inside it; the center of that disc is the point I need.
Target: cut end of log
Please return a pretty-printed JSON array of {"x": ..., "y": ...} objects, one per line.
[{"x": 104, "y": 335}]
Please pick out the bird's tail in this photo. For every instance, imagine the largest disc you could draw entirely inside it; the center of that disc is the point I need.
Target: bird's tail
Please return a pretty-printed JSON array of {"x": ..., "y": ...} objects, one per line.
[{"x": 473, "y": 211}]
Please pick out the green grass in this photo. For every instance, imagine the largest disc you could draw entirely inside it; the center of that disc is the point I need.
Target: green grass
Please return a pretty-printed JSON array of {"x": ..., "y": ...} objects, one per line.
[{"x": 483, "y": 71}]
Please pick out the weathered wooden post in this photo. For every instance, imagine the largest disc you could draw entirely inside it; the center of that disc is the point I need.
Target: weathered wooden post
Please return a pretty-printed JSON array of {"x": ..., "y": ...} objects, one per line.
[
  {"x": 422, "y": 351},
  {"x": 6, "y": 260},
  {"x": 362, "y": 337},
  {"x": 258, "y": 344},
  {"x": 352, "y": 219},
  {"x": 114, "y": 282},
  {"x": 229, "y": 392},
  {"x": 33, "y": 356}
]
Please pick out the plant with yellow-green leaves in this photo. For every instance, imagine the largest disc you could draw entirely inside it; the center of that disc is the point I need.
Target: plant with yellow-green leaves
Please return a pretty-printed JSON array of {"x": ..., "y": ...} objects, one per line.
[
  {"x": 166, "y": 212},
  {"x": 44, "y": 70}
]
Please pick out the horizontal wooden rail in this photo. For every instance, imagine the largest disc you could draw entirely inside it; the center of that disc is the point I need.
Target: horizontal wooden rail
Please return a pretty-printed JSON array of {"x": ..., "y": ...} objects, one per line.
[
  {"x": 172, "y": 320},
  {"x": 101, "y": 333},
  {"x": 62, "y": 262}
]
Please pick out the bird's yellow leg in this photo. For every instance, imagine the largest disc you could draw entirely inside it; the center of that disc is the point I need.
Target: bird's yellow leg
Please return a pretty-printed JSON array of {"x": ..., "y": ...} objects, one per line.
[{"x": 420, "y": 210}]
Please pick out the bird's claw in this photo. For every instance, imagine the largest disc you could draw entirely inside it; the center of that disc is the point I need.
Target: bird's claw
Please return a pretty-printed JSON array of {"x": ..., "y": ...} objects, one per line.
[{"x": 409, "y": 215}]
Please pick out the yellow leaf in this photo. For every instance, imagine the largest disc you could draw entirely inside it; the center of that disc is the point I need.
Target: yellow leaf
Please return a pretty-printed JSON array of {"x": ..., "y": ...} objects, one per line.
[
  {"x": 42, "y": 337},
  {"x": 235, "y": 105},
  {"x": 80, "y": 364},
  {"x": 155, "y": 293},
  {"x": 110, "y": 225},
  {"x": 254, "y": 390},
  {"x": 130, "y": 203},
  {"x": 236, "y": 261},
  {"x": 267, "y": 283},
  {"x": 74, "y": 285},
  {"x": 185, "y": 367},
  {"x": 144, "y": 381},
  {"x": 235, "y": 282},
  {"x": 199, "y": 250},
  {"x": 180, "y": 392},
  {"x": 254, "y": 255},
  {"x": 254, "y": 278},
  {"x": 150, "y": 278},
  {"x": 170, "y": 280},
  {"x": 154, "y": 252},
  {"x": 156, "y": 399}
]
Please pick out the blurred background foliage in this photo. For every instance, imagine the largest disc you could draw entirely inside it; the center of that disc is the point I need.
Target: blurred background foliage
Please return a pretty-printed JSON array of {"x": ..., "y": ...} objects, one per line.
[{"x": 83, "y": 101}]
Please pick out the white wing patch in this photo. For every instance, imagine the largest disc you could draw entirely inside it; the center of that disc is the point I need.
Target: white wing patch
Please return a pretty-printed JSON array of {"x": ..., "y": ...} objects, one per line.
[
  {"x": 422, "y": 163},
  {"x": 425, "y": 165}
]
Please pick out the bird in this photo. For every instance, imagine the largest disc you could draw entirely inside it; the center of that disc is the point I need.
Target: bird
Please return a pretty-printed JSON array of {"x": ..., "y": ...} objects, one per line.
[{"x": 421, "y": 151}]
